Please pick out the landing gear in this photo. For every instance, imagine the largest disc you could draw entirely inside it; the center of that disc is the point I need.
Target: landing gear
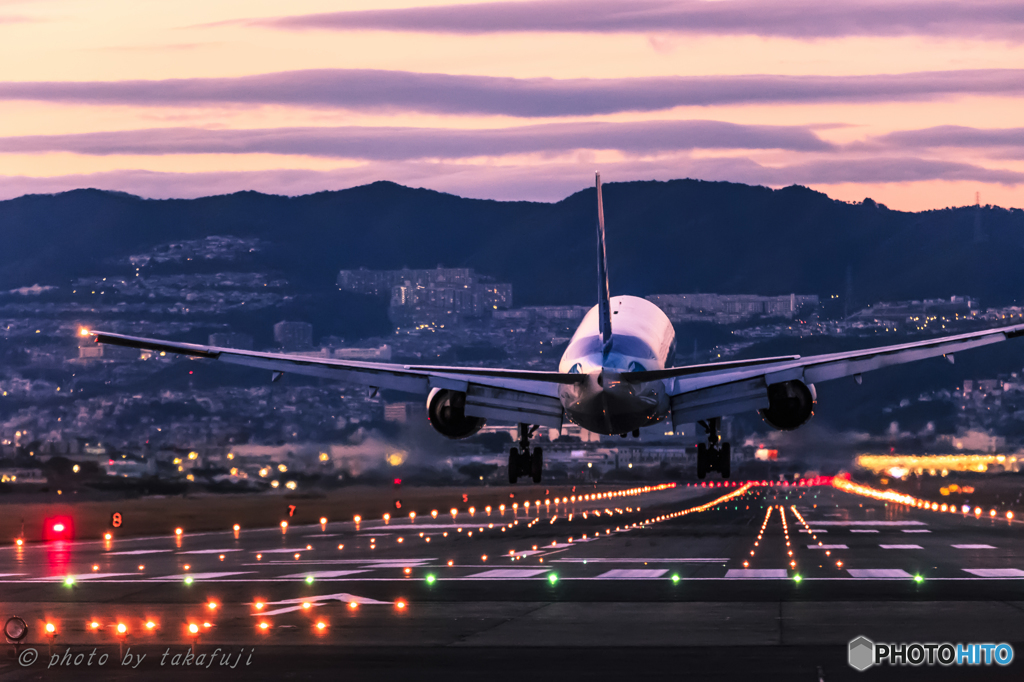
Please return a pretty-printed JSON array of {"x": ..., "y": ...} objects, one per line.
[
  {"x": 715, "y": 455},
  {"x": 521, "y": 462}
]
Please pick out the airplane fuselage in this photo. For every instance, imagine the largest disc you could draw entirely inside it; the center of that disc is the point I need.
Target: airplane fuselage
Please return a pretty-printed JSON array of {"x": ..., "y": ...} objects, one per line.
[{"x": 643, "y": 339}]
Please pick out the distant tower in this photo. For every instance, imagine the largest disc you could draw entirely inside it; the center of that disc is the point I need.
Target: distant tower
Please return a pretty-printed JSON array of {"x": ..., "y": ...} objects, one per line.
[
  {"x": 979, "y": 230},
  {"x": 848, "y": 297}
]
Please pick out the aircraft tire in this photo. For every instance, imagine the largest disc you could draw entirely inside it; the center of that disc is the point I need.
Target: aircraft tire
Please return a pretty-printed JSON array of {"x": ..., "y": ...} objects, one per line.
[
  {"x": 725, "y": 460},
  {"x": 537, "y": 464},
  {"x": 513, "y": 465}
]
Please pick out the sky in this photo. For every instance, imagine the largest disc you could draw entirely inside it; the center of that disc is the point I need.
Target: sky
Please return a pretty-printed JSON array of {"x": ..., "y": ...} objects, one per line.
[{"x": 914, "y": 103}]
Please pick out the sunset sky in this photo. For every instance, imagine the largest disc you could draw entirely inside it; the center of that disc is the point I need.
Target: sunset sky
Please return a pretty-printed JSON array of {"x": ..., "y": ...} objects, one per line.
[{"x": 917, "y": 104}]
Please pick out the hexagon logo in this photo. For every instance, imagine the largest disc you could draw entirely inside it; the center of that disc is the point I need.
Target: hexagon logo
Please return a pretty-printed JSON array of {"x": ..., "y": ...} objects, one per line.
[{"x": 861, "y": 653}]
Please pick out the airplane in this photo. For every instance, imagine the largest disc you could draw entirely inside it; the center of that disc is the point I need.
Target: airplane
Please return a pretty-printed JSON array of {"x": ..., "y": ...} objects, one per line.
[{"x": 613, "y": 378}]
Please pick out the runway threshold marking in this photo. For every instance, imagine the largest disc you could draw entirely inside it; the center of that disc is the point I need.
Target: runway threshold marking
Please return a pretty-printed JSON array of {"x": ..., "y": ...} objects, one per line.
[
  {"x": 901, "y": 546},
  {"x": 879, "y": 573},
  {"x": 323, "y": 574},
  {"x": 886, "y": 524},
  {"x": 995, "y": 572},
  {"x": 662, "y": 560},
  {"x": 510, "y": 573},
  {"x": 758, "y": 573},
  {"x": 916, "y": 530},
  {"x": 195, "y": 576},
  {"x": 633, "y": 573},
  {"x": 972, "y": 546}
]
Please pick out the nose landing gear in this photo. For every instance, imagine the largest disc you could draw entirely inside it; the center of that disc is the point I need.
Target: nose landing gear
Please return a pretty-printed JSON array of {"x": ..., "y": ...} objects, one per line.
[
  {"x": 715, "y": 455},
  {"x": 521, "y": 462}
]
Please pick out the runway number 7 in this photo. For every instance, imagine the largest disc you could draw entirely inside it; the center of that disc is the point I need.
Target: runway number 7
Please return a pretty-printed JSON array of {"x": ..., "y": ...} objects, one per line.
[{"x": 291, "y": 510}]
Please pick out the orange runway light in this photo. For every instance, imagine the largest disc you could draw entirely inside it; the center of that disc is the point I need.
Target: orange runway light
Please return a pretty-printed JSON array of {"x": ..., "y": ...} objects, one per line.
[
  {"x": 193, "y": 628},
  {"x": 357, "y": 518},
  {"x": 264, "y": 625},
  {"x": 95, "y": 567},
  {"x": 236, "y": 528},
  {"x": 142, "y": 567},
  {"x": 323, "y": 520},
  {"x": 353, "y": 605},
  {"x": 306, "y": 605},
  {"x": 400, "y": 605},
  {"x": 150, "y": 625},
  {"x": 178, "y": 531},
  {"x": 51, "y": 629},
  {"x": 19, "y": 542},
  {"x": 284, "y": 524},
  {"x": 122, "y": 629},
  {"x": 212, "y": 605},
  {"x": 94, "y": 625},
  {"x": 321, "y": 625},
  {"x": 107, "y": 536}
]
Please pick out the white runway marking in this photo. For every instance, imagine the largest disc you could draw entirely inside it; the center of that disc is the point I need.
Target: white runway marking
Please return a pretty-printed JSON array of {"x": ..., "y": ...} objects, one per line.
[
  {"x": 138, "y": 551},
  {"x": 868, "y": 523},
  {"x": 996, "y": 572},
  {"x": 827, "y": 547},
  {"x": 296, "y": 604},
  {"x": 813, "y": 530},
  {"x": 878, "y": 573},
  {"x": 633, "y": 573},
  {"x": 858, "y": 530},
  {"x": 195, "y": 576},
  {"x": 659, "y": 560},
  {"x": 973, "y": 547},
  {"x": 210, "y": 551},
  {"x": 91, "y": 576},
  {"x": 901, "y": 546},
  {"x": 758, "y": 573},
  {"x": 916, "y": 530},
  {"x": 283, "y": 551},
  {"x": 322, "y": 574},
  {"x": 510, "y": 573}
]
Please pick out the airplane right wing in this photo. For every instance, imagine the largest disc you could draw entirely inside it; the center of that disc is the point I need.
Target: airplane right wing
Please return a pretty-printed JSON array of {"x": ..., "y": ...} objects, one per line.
[{"x": 712, "y": 391}]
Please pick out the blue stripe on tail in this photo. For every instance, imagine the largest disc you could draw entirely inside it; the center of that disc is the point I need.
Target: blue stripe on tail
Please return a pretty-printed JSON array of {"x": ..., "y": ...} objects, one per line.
[{"x": 604, "y": 305}]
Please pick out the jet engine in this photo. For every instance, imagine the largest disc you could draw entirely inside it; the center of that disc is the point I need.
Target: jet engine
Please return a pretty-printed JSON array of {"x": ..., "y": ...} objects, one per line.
[
  {"x": 790, "y": 404},
  {"x": 446, "y": 411}
]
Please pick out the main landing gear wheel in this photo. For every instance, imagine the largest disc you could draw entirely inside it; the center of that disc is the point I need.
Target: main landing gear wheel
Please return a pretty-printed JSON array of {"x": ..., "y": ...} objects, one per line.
[
  {"x": 537, "y": 465},
  {"x": 521, "y": 462}
]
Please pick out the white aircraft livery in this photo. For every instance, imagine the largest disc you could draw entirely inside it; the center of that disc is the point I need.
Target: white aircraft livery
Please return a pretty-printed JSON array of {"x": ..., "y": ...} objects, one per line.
[{"x": 613, "y": 379}]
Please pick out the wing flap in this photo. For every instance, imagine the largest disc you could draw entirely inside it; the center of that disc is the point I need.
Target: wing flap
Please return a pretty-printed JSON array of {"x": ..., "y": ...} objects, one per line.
[
  {"x": 499, "y": 404},
  {"x": 719, "y": 401}
]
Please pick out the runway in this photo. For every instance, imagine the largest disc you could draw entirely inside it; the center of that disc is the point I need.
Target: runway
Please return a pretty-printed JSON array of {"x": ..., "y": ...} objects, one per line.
[{"x": 781, "y": 576}]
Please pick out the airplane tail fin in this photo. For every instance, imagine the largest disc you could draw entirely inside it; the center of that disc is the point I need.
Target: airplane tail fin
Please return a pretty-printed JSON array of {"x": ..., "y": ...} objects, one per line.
[{"x": 604, "y": 305}]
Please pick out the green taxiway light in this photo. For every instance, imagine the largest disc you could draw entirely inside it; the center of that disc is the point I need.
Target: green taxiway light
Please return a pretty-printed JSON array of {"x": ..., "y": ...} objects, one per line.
[
  {"x": 675, "y": 577},
  {"x": 797, "y": 577},
  {"x": 188, "y": 580},
  {"x": 552, "y": 578},
  {"x": 69, "y": 581},
  {"x": 309, "y": 579},
  {"x": 918, "y": 578},
  {"x": 430, "y": 579}
]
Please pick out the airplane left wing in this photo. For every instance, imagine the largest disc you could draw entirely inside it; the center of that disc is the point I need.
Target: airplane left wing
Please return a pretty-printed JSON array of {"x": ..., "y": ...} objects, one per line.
[
  {"x": 720, "y": 392},
  {"x": 501, "y": 394}
]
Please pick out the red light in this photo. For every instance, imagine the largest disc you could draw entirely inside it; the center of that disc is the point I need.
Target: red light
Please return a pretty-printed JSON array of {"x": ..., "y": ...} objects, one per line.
[
  {"x": 58, "y": 528},
  {"x": 398, "y": 481}
]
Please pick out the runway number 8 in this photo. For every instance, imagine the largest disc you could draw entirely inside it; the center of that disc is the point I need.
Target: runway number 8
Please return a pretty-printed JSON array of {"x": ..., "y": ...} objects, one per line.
[{"x": 115, "y": 520}]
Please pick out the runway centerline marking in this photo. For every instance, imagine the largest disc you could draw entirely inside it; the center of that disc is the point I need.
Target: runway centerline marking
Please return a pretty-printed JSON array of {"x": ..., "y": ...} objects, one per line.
[
  {"x": 915, "y": 530},
  {"x": 323, "y": 574},
  {"x": 827, "y": 547},
  {"x": 138, "y": 551},
  {"x": 210, "y": 551},
  {"x": 195, "y": 576},
  {"x": 887, "y": 524},
  {"x": 860, "y": 530}
]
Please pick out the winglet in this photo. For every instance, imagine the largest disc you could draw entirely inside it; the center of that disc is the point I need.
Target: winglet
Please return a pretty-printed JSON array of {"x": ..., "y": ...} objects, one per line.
[{"x": 604, "y": 305}]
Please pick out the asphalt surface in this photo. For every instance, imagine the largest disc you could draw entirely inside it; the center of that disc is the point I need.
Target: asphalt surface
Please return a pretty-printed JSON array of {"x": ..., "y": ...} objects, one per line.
[{"x": 660, "y": 584}]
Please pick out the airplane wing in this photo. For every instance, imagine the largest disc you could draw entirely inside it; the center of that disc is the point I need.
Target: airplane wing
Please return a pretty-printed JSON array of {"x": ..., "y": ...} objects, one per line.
[
  {"x": 499, "y": 394},
  {"x": 716, "y": 392}
]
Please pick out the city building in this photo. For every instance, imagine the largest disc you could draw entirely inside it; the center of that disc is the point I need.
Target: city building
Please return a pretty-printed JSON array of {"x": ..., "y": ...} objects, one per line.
[
  {"x": 231, "y": 340},
  {"x": 435, "y": 297},
  {"x": 930, "y": 313},
  {"x": 729, "y": 308},
  {"x": 293, "y": 335}
]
